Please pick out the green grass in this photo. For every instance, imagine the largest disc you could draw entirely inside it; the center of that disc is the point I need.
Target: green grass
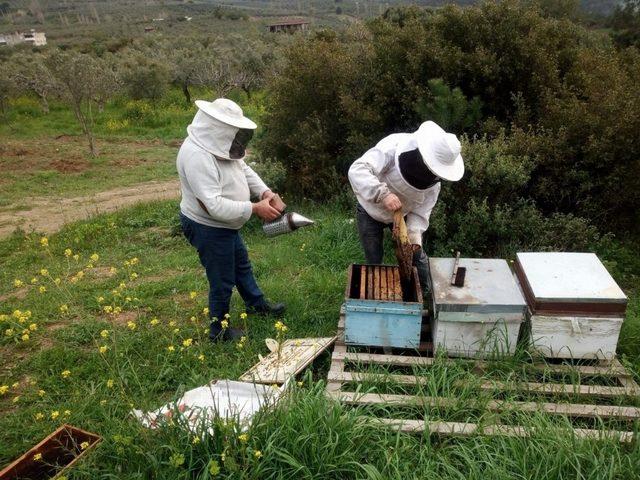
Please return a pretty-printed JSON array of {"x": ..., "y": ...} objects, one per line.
[
  {"x": 307, "y": 436},
  {"x": 46, "y": 155}
]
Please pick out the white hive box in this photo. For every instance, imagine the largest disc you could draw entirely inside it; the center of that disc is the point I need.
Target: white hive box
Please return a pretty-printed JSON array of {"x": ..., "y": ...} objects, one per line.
[
  {"x": 576, "y": 306},
  {"x": 482, "y": 317}
]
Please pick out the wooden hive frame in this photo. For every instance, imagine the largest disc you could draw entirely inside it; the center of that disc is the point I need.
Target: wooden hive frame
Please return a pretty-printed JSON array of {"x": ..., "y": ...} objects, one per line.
[{"x": 338, "y": 378}]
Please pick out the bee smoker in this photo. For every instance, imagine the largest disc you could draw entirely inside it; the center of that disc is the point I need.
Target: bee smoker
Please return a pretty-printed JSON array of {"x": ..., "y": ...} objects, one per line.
[{"x": 286, "y": 223}]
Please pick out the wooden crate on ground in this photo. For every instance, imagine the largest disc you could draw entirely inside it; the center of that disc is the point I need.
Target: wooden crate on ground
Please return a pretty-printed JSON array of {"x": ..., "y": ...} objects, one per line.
[{"x": 605, "y": 391}]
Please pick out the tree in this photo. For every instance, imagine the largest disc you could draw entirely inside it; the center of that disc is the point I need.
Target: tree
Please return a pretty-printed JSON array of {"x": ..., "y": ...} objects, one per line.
[
  {"x": 84, "y": 83},
  {"x": 30, "y": 73}
]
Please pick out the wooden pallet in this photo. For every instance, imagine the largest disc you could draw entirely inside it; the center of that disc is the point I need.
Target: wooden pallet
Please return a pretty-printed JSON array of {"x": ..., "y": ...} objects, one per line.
[{"x": 338, "y": 379}]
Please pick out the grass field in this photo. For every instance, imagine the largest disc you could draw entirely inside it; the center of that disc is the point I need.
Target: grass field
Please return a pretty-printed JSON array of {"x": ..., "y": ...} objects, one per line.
[{"x": 95, "y": 350}]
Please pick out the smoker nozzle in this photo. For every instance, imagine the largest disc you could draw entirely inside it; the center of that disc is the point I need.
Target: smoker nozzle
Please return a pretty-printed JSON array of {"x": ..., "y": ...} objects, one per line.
[{"x": 286, "y": 223}]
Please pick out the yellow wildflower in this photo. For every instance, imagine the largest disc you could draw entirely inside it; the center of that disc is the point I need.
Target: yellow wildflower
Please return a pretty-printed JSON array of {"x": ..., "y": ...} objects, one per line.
[
  {"x": 280, "y": 327},
  {"x": 244, "y": 438},
  {"x": 41, "y": 393},
  {"x": 133, "y": 276},
  {"x": 4, "y": 389},
  {"x": 257, "y": 454},
  {"x": 37, "y": 457},
  {"x": 34, "y": 280},
  {"x": 113, "y": 270},
  {"x": 42, "y": 289},
  {"x": 76, "y": 257},
  {"x": 205, "y": 310},
  {"x": 110, "y": 383},
  {"x": 16, "y": 399},
  {"x": 66, "y": 413},
  {"x": 64, "y": 308},
  {"x": 224, "y": 324},
  {"x": 122, "y": 286},
  {"x": 243, "y": 315},
  {"x": 100, "y": 299},
  {"x": 65, "y": 373},
  {"x": 25, "y": 337},
  {"x": 67, "y": 252},
  {"x": 9, "y": 332},
  {"x": 44, "y": 241},
  {"x": 134, "y": 261},
  {"x": 195, "y": 441},
  {"x": 39, "y": 416},
  {"x": 193, "y": 295},
  {"x": 176, "y": 330},
  {"x": 192, "y": 318},
  {"x": 227, "y": 316},
  {"x": 201, "y": 357},
  {"x": 300, "y": 384},
  {"x": 172, "y": 323},
  {"x": 94, "y": 257},
  {"x": 187, "y": 342},
  {"x": 108, "y": 308},
  {"x": 103, "y": 402},
  {"x": 80, "y": 274},
  {"x": 33, "y": 327},
  {"x": 171, "y": 348},
  {"x": 103, "y": 349},
  {"x": 17, "y": 283},
  {"x": 84, "y": 445},
  {"x": 154, "y": 321},
  {"x": 15, "y": 385},
  {"x": 117, "y": 310},
  {"x": 44, "y": 272},
  {"x": 56, "y": 281},
  {"x": 104, "y": 333},
  {"x": 55, "y": 414},
  {"x": 131, "y": 325}
]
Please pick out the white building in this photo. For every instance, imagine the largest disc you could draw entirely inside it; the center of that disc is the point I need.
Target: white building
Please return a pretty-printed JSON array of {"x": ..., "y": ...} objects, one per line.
[{"x": 36, "y": 39}]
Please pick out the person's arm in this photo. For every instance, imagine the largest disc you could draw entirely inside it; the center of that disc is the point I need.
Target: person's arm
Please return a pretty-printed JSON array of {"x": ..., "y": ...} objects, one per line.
[
  {"x": 257, "y": 187},
  {"x": 418, "y": 219},
  {"x": 363, "y": 176},
  {"x": 204, "y": 180}
]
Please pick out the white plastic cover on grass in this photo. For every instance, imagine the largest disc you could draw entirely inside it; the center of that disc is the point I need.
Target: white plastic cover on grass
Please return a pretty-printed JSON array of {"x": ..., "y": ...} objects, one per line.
[{"x": 220, "y": 399}]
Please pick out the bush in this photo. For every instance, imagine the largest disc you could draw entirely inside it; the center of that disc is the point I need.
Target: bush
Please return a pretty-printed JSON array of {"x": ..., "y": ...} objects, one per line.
[{"x": 549, "y": 107}]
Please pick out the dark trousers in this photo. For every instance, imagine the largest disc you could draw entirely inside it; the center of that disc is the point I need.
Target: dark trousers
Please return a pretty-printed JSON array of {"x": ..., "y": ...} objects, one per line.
[
  {"x": 226, "y": 261},
  {"x": 371, "y": 234}
]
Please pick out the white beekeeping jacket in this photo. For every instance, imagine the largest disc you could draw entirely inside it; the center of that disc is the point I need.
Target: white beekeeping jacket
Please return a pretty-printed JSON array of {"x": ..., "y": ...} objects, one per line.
[
  {"x": 376, "y": 174},
  {"x": 209, "y": 174}
]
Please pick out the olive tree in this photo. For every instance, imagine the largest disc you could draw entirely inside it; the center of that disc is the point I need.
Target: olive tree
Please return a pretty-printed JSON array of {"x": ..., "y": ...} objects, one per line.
[
  {"x": 84, "y": 82},
  {"x": 30, "y": 74}
]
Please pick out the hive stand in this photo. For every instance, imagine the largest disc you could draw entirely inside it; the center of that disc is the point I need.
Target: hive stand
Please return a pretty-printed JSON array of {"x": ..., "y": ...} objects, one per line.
[{"x": 338, "y": 377}]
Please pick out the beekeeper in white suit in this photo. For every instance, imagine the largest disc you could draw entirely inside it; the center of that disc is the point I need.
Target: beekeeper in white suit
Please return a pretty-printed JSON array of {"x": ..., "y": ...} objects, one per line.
[
  {"x": 403, "y": 172},
  {"x": 217, "y": 187}
]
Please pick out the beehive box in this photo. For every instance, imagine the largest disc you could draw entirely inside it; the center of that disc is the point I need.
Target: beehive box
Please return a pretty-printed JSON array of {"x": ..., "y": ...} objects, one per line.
[
  {"x": 377, "y": 313},
  {"x": 482, "y": 317},
  {"x": 576, "y": 306}
]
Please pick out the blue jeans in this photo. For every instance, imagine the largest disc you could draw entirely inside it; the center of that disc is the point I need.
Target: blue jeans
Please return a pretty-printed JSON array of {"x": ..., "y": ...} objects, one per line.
[
  {"x": 371, "y": 234},
  {"x": 226, "y": 261}
]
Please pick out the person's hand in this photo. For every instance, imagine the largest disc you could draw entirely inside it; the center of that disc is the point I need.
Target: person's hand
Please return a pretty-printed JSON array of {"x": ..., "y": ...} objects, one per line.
[
  {"x": 268, "y": 195},
  {"x": 392, "y": 203},
  {"x": 265, "y": 211}
]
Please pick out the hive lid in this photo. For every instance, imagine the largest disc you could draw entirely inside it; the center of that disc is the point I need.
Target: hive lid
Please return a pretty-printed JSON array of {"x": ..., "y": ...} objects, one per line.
[
  {"x": 568, "y": 282},
  {"x": 489, "y": 286}
]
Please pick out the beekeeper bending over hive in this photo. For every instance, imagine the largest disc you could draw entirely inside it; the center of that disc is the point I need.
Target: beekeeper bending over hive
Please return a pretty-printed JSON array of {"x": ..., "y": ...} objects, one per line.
[
  {"x": 217, "y": 186},
  {"x": 403, "y": 171}
]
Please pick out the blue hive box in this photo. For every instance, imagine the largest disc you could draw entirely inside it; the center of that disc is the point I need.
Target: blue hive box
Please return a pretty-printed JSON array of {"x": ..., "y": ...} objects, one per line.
[{"x": 377, "y": 313}]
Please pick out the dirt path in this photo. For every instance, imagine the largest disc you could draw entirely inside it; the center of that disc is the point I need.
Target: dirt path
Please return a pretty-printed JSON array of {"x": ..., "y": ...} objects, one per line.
[{"x": 50, "y": 214}]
